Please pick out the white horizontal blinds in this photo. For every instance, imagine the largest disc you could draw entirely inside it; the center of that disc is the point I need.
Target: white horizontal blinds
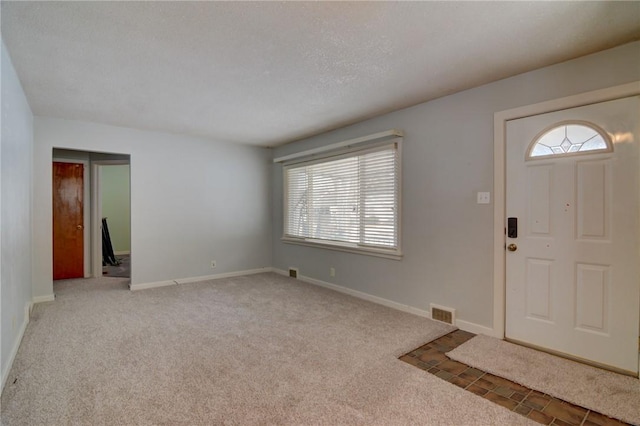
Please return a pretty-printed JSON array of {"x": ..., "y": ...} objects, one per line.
[
  {"x": 349, "y": 199},
  {"x": 297, "y": 222},
  {"x": 379, "y": 194}
]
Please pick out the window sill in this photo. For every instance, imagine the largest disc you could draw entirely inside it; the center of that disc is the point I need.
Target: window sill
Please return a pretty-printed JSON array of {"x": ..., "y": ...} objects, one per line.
[{"x": 387, "y": 254}]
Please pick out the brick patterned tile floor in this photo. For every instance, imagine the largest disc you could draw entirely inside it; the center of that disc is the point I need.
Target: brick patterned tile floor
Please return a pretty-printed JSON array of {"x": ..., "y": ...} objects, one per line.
[{"x": 537, "y": 406}]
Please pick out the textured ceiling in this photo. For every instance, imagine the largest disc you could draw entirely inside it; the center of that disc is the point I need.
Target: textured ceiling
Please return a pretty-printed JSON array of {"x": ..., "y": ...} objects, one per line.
[{"x": 268, "y": 73}]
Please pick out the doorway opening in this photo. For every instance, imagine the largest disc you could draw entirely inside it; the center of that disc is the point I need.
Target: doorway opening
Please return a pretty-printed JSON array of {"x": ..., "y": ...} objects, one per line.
[
  {"x": 97, "y": 193},
  {"x": 115, "y": 211}
]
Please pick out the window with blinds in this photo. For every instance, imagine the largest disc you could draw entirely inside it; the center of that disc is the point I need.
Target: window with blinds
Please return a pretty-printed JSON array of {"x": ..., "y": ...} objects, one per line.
[{"x": 349, "y": 200}]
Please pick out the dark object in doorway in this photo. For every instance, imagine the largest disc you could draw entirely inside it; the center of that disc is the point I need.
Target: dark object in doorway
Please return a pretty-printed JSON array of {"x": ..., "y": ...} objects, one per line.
[
  {"x": 122, "y": 270},
  {"x": 108, "y": 257}
]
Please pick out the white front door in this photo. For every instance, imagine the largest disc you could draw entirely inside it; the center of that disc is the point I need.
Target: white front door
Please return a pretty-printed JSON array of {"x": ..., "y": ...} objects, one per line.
[{"x": 573, "y": 270}]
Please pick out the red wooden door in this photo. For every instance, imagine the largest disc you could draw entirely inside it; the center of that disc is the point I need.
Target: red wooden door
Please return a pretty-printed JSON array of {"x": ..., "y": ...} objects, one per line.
[{"x": 68, "y": 215}]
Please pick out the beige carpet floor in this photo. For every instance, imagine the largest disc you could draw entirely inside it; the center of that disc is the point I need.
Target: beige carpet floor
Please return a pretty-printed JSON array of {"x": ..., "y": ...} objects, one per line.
[
  {"x": 612, "y": 394},
  {"x": 260, "y": 349}
]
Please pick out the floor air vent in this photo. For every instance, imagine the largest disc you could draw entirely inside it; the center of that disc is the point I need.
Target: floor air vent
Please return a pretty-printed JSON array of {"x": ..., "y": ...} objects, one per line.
[
  {"x": 293, "y": 272},
  {"x": 443, "y": 314}
]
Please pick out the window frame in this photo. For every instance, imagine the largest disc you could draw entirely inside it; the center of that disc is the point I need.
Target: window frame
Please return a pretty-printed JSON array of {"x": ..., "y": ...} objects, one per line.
[{"x": 394, "y": 253}]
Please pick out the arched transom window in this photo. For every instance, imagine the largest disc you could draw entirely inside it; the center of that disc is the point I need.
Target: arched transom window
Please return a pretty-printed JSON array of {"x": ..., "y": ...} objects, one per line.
[{"x": 568, "y": 138}]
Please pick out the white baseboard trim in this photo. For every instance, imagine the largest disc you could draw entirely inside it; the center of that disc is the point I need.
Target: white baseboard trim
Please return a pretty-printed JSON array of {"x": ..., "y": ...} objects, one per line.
[
  {"x": 280, "y": 271},
  {"x": 121, "y": 253},
  {"x": 223, "y": 275},
  {"x": 145, "y": 286},
  {"x": 47, "y": 298},
  {"x": 366, "y": 296},
  {"x": 461, "y": 324},
  {"x": 16, "y": 344},
  {"x": 178, "y": 281},
  {"x": 476, "y": 328}
]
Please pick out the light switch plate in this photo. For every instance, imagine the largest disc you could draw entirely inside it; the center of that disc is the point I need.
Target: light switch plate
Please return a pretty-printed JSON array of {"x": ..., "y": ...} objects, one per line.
[{"x": 484, "y": 197}]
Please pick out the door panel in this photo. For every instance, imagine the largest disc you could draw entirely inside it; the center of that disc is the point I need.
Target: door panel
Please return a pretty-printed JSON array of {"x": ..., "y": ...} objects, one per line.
[
  {"x": 573, "y": 283},
  {"x": 539, "y": 201},
  {"x": 592, "y": 298},
  {"x": 68, "y": 215},
  {"x": 593, "y": 206},
  {"x": 538, "y": 289}
]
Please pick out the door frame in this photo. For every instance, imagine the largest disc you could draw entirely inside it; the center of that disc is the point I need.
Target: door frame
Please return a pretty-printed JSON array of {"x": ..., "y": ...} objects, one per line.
[
  {"x": 86, "y": 214},
  {"x": 500, "y": 119},
  {"x": 96, "y": 209}
]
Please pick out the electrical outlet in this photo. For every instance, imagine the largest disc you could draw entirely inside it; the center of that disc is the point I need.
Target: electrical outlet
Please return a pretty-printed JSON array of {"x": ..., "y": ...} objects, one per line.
[
  {"x": 332, "y": 272},
  {"x": 213, "y": 264},
  {"x": 484, "y": 197}
]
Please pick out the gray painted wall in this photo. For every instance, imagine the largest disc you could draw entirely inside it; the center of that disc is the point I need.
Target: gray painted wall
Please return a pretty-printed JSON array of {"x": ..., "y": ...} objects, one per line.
[
  {"x": 447, "y": 159},
  {"x": 15, "y": 212},
  {"x": 193, "y": 200}
]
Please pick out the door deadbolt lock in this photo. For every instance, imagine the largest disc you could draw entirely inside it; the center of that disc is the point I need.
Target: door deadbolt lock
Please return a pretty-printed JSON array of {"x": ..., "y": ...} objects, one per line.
[
  {"x": 512, "y": 247},
  {"x": 512, "y": 227}
]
